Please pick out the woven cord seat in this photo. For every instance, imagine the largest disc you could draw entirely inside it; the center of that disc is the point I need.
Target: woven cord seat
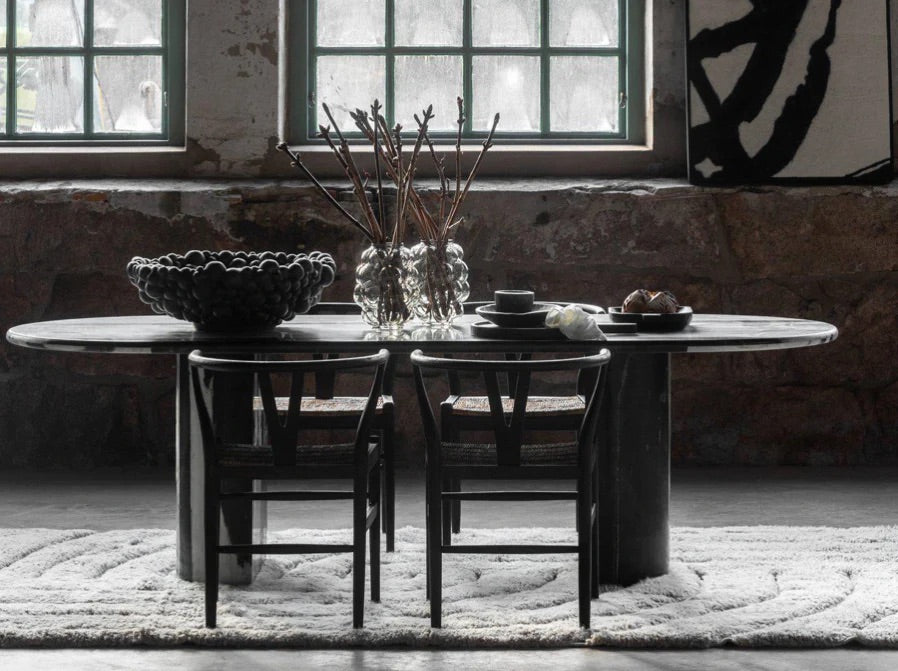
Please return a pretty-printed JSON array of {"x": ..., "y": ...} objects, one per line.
[
  {"x": 536, "y": 405},
  {"x": 329, "y": 407}
]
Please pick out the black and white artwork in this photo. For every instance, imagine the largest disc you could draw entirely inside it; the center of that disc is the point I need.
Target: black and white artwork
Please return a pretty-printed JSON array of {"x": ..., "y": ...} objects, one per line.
[{"x": 788, "y": 91}]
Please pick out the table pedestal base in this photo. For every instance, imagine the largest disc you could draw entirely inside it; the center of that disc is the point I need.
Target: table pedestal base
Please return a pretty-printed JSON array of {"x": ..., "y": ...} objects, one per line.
[{"x": 634, "y": 469}]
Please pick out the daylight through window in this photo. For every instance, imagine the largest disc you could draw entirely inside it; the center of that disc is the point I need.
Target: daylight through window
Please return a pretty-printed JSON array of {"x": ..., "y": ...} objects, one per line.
[
  {"x": 553, "y": 69},
  {"x": 88, "y": 70}
]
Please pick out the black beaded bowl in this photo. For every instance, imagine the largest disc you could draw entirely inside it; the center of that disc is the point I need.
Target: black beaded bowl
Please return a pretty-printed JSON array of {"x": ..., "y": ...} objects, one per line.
[{"x": 232, "y": 291}]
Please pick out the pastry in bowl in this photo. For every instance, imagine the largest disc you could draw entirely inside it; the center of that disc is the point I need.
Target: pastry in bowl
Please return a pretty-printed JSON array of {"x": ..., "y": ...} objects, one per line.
[{"x": 658, "y": 302}]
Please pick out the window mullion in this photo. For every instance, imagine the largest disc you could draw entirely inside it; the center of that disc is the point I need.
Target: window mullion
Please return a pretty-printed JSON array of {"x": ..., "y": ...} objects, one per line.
[
  {"x": 467, "y": 63},
  {"x": 623, "y": 75},
  {"x": 544, "y": 102},
  {"x": 164, "y": 127},
  {"x": 11, "y": 79},
  {"x": 310, "y": 99},
  {"x": 390, "y": 65},
  {"x": 88, "y": 42}
]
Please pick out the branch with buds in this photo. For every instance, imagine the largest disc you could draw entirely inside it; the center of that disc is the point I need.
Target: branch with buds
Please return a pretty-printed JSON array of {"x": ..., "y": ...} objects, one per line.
[
  {"x": 451, "y": 202},
  {"x": 389, "y": 158}
]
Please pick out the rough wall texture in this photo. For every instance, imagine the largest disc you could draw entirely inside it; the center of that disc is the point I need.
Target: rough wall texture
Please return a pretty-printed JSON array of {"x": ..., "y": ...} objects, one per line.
[{"x": 822, "y": 253}]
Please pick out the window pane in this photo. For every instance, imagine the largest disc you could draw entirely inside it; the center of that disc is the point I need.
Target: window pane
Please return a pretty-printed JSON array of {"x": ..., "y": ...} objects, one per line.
[
  {"x": 127, "y": 22},
  {"x": 428, "y": 23},
  {"x": 357, "y": 23},
  {"x": 346, "y": 83},
  {"x": 3, "y": 28},
  {"x": 584, "y": 93},
  {"x": 583, "y": 23},
  {"x": 50, "y": 23},
  {"x": 508, "y": 85},
  {"x": 428, "y": 80},
  {"x": 128, "y": 94},
  {"x": 49, "y": 94},
  {"x": 506, "y": 23}
]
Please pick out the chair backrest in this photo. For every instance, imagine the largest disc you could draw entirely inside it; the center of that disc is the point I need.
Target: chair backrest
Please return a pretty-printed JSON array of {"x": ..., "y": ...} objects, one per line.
[
  {"x": 283, "y": 428},
  {"x": 508, "y": 427}
]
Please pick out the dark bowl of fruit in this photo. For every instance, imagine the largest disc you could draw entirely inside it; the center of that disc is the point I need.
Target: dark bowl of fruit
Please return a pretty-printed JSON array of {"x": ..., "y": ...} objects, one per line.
[
  {"x": 232, "y": 291},
  {"x": 652, "y": 311}
]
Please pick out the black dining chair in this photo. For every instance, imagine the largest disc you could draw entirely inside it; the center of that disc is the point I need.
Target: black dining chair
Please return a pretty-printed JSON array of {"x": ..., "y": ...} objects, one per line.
[
  {"x": 466, "y": 411},
  {"x": 324, "y": 410},
  {"x": 286, "y": 456},
  {"x": 512, "y": 450}
]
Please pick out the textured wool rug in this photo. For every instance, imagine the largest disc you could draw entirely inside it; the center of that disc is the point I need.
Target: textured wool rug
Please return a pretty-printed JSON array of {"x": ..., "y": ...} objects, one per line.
[{"x": 742, "y": 586}]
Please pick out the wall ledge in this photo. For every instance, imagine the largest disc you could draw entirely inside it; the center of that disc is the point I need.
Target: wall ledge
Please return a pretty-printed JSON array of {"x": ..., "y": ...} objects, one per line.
[{"x": 63, "y": 189}]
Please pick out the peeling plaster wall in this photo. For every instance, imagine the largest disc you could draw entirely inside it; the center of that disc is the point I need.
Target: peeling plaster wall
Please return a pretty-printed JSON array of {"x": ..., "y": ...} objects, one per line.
[
  {"x": 822, "y": 253},
  {"x": 819, "y": 253},
  {"x": 233, "y": 102}
]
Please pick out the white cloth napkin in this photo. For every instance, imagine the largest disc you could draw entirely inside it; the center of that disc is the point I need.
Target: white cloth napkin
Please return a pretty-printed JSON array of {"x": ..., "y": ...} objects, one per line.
[{"x": 574, "y": 322}]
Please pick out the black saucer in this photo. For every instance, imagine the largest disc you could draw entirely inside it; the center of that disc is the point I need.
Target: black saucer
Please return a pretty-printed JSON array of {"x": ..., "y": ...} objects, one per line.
[
  {"x": 654, "y": 321},
  {"x": 536, "y": 317}
]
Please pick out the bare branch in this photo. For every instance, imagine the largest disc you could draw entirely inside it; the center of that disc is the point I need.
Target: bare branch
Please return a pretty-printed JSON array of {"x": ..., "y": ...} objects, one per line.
[
  {"x": 375, "y": 109},
  {"x": 487, "y": 143},
  {"x": 352, "y": 172},
  {"x": 461, "y": 126},
  {"x": 296, "y": 162}
]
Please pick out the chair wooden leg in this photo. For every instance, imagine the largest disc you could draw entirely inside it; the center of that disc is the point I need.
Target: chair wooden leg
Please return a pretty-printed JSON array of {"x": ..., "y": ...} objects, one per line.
[
  {"x": 359, "y": 504},
  {"x": 388, "y": 493},
  {"x": 452, "y": 521},
  {"x": 212, "y": 530},
  {"x": 595, "y": 540},
  {"x": 456, "y": 507},
  {"x": 427, "y": 537},
  {"x": 435, "y": 550},
  {"x": 584, "y": 551},
  {"x": 374, "y": 496},
  {"x": 446, "y": 508},
  {"x": 594, "y": 552}
]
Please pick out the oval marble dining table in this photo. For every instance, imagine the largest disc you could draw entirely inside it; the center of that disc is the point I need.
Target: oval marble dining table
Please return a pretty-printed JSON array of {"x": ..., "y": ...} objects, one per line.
[{"x": 635, "y": 451}]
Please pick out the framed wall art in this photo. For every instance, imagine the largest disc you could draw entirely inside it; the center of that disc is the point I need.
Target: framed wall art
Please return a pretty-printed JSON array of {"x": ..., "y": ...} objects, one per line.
[{"x": 788, "y": 91}]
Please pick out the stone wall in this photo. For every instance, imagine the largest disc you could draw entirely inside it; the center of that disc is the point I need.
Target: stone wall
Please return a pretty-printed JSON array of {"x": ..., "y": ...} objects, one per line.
[{"x": 820, "y": 253}]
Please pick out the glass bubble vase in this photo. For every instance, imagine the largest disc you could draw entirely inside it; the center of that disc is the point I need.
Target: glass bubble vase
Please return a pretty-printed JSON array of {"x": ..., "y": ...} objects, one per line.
[
  {"x": 382, "y": 286},
  {"x": 439, "y": 282}
]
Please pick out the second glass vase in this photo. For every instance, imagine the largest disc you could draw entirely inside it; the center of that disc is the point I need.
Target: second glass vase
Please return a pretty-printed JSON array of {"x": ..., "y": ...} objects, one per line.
[{"x": 438, "y": 282}]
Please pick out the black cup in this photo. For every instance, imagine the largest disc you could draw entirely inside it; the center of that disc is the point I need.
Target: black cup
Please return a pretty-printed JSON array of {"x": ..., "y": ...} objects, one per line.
[{"x": 513, "y": 300}]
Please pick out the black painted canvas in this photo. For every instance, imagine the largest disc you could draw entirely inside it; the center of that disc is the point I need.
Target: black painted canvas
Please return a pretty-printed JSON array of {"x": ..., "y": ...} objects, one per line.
[{"x": 789, "y": 91}]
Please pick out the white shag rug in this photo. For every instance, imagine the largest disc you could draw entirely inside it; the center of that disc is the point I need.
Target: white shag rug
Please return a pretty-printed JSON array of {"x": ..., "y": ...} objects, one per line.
[{"x": 740, "y": 586}]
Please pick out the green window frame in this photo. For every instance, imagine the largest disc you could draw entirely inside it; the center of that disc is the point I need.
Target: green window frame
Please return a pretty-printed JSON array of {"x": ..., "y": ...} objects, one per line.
[
  {"x": 303, "y": 54},
  {"x": 171, "y": 50}
]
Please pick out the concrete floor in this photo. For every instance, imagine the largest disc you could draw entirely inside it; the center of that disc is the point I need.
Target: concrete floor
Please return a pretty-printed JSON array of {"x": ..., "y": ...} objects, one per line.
[{"x": 706, "y": 497}]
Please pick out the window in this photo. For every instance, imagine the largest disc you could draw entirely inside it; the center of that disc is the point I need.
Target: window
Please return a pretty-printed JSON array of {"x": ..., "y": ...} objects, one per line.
[
  {"x": 556, "y": 70},
  {"x": 92, "y": 71}
]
